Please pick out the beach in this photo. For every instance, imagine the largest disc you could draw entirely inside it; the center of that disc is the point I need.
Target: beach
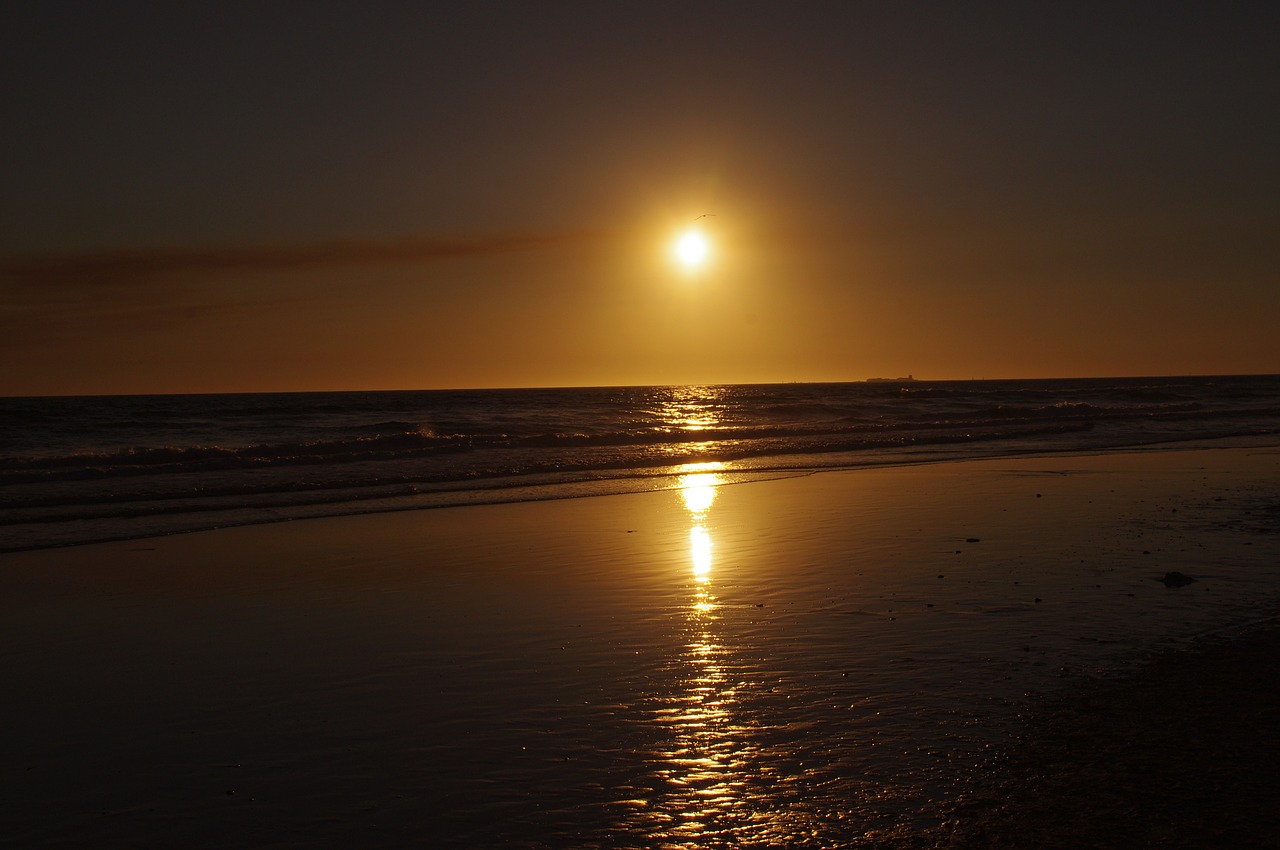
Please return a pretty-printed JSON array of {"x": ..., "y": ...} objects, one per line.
[
  {"x": 1179, "y": 754},
  {"x": 820, "y": 660},
  {"x": 540, "y": 426}
]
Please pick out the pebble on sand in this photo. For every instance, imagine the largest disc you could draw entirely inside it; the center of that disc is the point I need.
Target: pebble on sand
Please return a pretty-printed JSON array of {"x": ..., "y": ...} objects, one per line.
[{"x": 1175, "y": 579}]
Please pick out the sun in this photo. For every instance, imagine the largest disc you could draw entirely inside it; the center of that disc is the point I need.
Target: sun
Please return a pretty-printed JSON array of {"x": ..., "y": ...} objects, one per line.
[{"x": 691, "y": 249}]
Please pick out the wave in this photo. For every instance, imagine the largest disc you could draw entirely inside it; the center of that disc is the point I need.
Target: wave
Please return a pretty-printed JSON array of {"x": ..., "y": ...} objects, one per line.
[
  {"x": 168, "y": 459},
  {"x": 396, "y": 440},
  {"x": 86, "y": 463},
  {"x": 343, "y": 483}
]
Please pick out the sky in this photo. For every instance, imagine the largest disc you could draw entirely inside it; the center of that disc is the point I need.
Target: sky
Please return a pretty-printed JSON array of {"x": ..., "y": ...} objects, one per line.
[{"x": 242, "y": 197}]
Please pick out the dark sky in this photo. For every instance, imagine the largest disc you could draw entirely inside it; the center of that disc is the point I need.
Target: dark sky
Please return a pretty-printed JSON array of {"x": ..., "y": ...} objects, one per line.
[{"x": 256, "y": 196}]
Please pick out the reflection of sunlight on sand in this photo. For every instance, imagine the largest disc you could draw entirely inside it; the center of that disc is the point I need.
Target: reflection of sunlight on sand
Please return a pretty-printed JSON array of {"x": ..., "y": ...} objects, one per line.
[
  {"x": 705, "y": 765},
  {"x": 698, "y": 482},
  {"x": 700, "y": 551},
  {"x": 698, "y": 490}
]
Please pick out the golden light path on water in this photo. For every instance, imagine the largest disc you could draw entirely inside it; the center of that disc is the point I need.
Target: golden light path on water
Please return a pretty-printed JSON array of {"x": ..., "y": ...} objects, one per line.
[
  {"x": 691, "y": 409},
  {"x": 702, "y": 760},
  {"x": 738, "y": 759},
  {"x": 728, "y": 767},
  {"x": 705, "y": 764}
]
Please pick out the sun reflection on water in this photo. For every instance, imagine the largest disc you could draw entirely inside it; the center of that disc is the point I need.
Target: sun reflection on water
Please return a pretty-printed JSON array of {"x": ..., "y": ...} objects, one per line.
[
  {"x": 698, "y": 483},
  {"x": 704, "y": 764},
  {"x": 698, "y": 490},
  {"x": 700, "y": 552},
  {"x": 718, "y": 770},
  {"x": 691, "y": 408}
]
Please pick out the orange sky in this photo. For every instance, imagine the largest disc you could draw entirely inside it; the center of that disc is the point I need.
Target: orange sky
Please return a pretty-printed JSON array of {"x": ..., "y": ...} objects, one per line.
[{"x": 324, "y": 197}]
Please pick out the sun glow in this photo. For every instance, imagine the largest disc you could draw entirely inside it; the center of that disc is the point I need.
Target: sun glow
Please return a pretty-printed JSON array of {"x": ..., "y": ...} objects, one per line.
[
  {"x": 698, "y": 487},
  {"x": 692, "y": 249}
]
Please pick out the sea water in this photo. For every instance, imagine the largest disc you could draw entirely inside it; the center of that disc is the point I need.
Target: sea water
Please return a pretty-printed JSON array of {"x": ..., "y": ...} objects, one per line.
[{"x": 82, "y": 469}]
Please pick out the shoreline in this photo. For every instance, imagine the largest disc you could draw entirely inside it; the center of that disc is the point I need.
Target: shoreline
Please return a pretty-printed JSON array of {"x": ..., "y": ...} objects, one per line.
[
  {"x": 533, "y": 490},
  {"x": 810, "y": 660}
]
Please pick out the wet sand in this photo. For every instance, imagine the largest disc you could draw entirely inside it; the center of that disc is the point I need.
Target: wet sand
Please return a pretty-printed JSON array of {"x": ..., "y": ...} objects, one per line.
[
  {"x": 1182, "y": 753},
  {"x": 831, "y": 660}
]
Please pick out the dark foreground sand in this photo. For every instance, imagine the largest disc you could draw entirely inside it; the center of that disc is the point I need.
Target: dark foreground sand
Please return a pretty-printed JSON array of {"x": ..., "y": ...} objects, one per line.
[
  {"x": 842, "y": 660},
  {"x": 1185, "y": 752}
]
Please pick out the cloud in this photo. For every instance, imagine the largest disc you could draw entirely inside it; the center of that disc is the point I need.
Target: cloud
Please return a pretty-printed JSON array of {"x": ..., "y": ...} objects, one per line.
[
  {"x": 140, "y": 265},
  {"x": 70, "y": 322}
]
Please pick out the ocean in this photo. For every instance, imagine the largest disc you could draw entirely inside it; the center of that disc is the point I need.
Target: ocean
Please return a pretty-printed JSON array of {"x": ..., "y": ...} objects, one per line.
[{"x": 83, "y": 469}]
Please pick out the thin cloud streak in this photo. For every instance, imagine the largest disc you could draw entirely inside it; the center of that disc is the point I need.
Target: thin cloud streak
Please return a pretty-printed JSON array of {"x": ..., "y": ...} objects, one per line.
[{"x": 140, "y": 265}]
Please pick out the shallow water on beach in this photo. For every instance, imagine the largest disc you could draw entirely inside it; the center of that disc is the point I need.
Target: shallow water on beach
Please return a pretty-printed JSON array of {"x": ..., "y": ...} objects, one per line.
[
  {"x": 809, "y": 662},
  {"x": 77, "y": 470}
]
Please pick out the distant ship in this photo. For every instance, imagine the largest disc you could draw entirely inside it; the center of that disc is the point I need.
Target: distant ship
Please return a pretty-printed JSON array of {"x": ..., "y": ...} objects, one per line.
[{"x": 905, "y": 380}]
